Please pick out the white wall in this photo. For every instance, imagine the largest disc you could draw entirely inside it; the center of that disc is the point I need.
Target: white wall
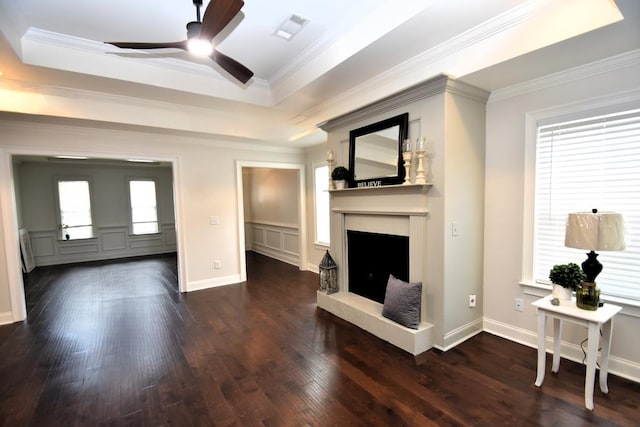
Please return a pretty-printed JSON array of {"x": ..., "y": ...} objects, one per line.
[
  {"x": 506, "y": 197},
  {"x": 273, "y": 195},
  {"x": 205, "y": 185},
  {"x": 35, "y": 184}
]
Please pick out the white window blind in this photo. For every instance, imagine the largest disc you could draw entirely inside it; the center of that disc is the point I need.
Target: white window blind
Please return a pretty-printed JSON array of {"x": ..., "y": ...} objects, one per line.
[
  {"x": 581, "y": 165},
  {"x": 75, "y": 209},
  {"x": 144, "y": 212},
  {"x": 321, "y": 190}
]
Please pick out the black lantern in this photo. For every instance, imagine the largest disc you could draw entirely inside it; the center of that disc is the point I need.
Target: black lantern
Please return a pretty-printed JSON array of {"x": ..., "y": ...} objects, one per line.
[{"x": 328, "y": 274}]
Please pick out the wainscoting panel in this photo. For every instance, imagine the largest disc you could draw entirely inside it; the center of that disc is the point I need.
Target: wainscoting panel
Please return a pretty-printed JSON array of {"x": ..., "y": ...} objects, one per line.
[
  {"x": 113, "y": 241},
  {"x": 42, "y": 244},
  {"x": 148, "y": 242},
  {"x": 290, "y": 243},
  {"x": 78, "y": 247},
  {"x": 278, "y": 241},
  {"x": 273, "y": 239},
  {"x": 169, "y": 233}
]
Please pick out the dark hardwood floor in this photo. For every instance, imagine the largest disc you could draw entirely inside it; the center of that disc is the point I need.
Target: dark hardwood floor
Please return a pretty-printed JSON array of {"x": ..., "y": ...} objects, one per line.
[{"x": 115, "y": 343}]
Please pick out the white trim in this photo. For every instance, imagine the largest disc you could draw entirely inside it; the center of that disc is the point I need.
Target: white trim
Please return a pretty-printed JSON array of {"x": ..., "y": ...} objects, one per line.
[
  {"x": 273, "y": 224},
  {"x": 198, "y": 285},
  {"x": 129, "y": 179},
  {"x": 622, "y": 367},
  {"x": 461, "y": 334},
  {"x": 6, "y": 318},
  {"x": 604, "y": 66},
  {"x": 10, "y": 231},
  {"x": 315, "y": 165},
  {"x": 313, "y": 268}
]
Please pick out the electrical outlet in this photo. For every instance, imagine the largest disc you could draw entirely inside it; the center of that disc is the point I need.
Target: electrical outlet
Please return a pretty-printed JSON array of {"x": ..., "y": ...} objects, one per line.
[
  {"x": 472, "y": 300},
  {"x": 519, "y": 304},
  {"x": 217, "y": 264}
]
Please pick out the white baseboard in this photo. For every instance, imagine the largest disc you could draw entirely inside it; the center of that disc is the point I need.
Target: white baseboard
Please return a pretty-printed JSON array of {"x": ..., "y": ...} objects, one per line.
[
  {"x": 198, "y": 285},
  {"x": 6, "y": 318},
  {"x": 617, "y": 366},
  {"x": 461, "y": 334},
  {"x": 276, "y": 254},
  {"x": 313, "y": 268}
]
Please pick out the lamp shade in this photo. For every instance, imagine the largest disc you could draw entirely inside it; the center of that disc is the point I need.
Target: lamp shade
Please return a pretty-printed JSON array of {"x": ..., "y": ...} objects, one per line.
[{"x": 601, "y": 231}]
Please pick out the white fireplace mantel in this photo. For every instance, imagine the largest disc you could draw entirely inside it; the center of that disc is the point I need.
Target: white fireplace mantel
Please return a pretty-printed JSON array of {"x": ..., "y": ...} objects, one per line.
[
  {"x": 450, "y": 115},
  {"x": 395, "y": 209}
]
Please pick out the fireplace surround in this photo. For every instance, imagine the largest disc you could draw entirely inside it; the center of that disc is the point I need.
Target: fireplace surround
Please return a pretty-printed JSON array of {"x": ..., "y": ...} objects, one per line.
[
  {"x": 450, "y": 115},
  {"x": 397, "y": 210}
]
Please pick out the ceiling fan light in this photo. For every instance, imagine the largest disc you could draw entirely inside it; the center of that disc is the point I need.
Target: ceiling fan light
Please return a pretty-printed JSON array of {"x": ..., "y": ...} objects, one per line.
[{"x": 200, "y": 47}]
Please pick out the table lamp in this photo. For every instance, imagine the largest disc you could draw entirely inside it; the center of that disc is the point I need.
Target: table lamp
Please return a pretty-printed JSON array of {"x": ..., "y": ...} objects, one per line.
[{"x": 593, "y": 231}]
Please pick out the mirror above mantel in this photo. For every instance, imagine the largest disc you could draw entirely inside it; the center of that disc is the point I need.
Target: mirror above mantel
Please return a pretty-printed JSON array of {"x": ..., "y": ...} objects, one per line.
[{"x": 375, "y": 152}]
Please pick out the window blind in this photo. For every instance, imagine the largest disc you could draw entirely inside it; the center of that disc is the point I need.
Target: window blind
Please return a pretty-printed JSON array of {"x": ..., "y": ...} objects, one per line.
[{"x": 583, "y": 164}]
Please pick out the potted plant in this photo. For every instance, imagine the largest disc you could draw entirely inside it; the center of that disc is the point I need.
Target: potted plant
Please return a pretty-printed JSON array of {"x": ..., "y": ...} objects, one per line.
[
  {"x": 339, "y": 175},
  {"x": 566, "y": 278}
]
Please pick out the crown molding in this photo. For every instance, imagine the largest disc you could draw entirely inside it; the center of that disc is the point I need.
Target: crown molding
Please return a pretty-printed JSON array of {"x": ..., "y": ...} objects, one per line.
[
  {"x": 437, "y": 85},
  {"x": 426, "y": 64},
  {"x": 88, "y": 129},
  {"x": 99, "y": 107},
  {"x": 329, "y": 52},
  {"x": 604, "y": 66}
]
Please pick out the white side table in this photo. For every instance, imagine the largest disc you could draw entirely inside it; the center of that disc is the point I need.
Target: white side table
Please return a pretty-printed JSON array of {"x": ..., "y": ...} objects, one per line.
[{"x": 593, "y": 320}]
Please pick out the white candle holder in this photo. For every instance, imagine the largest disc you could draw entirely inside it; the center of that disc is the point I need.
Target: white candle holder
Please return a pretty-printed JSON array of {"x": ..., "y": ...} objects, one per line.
[
  {"x": 407, "y": 155},
  {"x": 420, "y": 151},
  {"x": 331, "y": 162}
]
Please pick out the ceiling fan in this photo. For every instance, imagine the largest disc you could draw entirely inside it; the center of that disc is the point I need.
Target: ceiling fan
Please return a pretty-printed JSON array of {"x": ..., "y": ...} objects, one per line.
[{"x": 200, "y": 33}]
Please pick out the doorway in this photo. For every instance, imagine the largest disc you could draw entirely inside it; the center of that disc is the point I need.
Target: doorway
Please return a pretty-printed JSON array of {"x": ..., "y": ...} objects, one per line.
[
  {"x": 11, "y": 212},
  {"x": 279, "y": 229}
]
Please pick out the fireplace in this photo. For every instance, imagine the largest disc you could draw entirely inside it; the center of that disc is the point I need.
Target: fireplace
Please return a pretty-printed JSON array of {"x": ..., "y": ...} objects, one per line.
[
  {"x": 398, "y": 214},
  {"x": 371, "y": 258}
]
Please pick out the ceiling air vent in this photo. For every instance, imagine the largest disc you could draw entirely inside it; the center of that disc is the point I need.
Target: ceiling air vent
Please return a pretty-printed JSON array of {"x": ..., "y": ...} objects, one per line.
[{"x": 291, "y": 26}]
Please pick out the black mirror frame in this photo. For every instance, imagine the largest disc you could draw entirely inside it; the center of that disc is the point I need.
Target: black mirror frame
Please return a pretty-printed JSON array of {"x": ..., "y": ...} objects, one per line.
[{"x": 402, "y": 121}]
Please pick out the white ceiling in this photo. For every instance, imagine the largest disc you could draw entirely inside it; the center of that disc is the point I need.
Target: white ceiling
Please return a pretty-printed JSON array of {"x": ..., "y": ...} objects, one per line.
[{"x": 349, "y": 54}]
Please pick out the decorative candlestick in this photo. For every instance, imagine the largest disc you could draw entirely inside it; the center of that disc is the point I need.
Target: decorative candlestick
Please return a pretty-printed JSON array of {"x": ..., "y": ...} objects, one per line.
[
  {"x": 420, "y": 150},
  {"x": 330, "y": 162},
  {"x": 407, "y": 155}
]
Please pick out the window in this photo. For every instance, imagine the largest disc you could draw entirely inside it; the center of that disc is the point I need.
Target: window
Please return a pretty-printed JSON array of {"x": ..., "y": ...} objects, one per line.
[
  {"x": 74, "y": 200},
  {"x": 582, "y": 164},
  {"x": 144, "y": 211},
  {"x": 321, "y": 191}
]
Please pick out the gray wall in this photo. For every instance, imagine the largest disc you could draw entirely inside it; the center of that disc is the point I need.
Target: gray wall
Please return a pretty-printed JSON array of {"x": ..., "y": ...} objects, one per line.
[{"x": 35, "y": 183}]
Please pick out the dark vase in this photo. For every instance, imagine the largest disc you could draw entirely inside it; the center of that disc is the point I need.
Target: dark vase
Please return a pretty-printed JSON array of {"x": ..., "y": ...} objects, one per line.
[
  {"x": 588, "y": 296},
  {"x": 66, "y": 236}
]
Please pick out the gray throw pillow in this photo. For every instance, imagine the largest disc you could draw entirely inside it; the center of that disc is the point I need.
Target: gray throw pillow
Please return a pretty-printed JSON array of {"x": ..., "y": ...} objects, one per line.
[{"x": 402, "y": 302}]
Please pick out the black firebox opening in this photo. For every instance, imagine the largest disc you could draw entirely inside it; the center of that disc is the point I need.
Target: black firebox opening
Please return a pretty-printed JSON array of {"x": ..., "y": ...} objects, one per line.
[{"x": 371, "y": 258}]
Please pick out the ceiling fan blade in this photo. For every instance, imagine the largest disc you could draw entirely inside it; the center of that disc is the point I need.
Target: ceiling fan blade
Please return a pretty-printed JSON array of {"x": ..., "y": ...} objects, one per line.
[
  {"x": 232, "y": 66},
  {"x": 217, "y": 15},
  {"x": 169, "y": 45}
]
